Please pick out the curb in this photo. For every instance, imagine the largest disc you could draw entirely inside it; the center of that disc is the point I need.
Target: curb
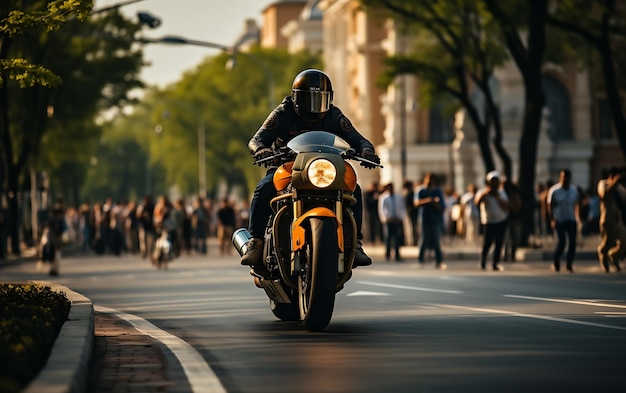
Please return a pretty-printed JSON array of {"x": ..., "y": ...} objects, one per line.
[{"x": 67, "y": 367}]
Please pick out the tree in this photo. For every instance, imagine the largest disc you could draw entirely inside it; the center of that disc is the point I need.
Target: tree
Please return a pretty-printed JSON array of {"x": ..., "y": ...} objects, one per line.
[
  {"x": 528, "y": 55},
  {"x": 600, "y": 24},
  {"x": 57, "y": 75},
  {"x": 230, "y": 105},
  {"x": 455, "y": 53}
]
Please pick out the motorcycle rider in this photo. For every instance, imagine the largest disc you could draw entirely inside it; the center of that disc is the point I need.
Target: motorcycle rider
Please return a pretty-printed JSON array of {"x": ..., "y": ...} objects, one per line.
[{"x": 308, "y": 108}]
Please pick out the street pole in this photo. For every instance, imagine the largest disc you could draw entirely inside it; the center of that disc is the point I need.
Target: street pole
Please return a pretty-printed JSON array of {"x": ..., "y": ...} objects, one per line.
[{"x": 201, "y": 159}]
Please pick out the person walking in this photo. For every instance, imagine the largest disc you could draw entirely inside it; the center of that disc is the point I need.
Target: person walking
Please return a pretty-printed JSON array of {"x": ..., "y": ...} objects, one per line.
[
  {"x": 200, "y": 226},
  {"x": 226, "y": 220},
  {"x": 470, "y": 215},
  {"x": 392, "y": 210},
  {"x": 429, "y": 199},
  {"x": 412, "y": 212},
  {"x": 370, "y": 199},
  {"x": 563, "y": 208},
  {"x": 493, "y": 203},
  {"x": 612, "y": 229},
  {"x": 147, "y": 234}
]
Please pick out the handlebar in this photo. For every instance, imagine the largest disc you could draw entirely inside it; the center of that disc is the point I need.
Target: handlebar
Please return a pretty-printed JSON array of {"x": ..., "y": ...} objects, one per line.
[{"x": 284, "y": 153}]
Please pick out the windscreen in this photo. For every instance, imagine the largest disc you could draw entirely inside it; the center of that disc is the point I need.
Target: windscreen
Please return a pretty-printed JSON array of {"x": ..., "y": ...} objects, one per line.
[{"x": 320, "y": 141}]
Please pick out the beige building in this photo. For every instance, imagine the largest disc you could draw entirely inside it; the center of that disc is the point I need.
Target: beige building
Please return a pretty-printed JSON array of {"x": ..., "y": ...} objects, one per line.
[{"x": 412, "y": 139}]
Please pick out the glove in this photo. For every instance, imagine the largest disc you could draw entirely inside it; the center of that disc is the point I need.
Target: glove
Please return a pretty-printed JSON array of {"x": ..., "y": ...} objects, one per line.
[
  {"x": 368, "y": 154},
  {"x": 262, "y": 153}
]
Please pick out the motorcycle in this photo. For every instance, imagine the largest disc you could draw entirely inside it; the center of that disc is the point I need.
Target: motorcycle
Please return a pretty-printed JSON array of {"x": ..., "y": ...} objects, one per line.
[{"x": 311, "y": 236}]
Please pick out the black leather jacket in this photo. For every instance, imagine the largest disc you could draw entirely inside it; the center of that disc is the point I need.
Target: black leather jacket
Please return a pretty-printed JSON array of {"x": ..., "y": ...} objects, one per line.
[{"x": 284, "y": 123}]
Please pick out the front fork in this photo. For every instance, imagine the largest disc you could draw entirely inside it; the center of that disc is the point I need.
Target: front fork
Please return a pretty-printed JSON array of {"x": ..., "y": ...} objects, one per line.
[{"x": 298, "y": 232}]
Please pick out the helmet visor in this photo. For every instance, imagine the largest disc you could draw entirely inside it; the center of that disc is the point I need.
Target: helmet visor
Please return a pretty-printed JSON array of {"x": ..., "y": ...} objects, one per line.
[{"x": 313, "y": 101}]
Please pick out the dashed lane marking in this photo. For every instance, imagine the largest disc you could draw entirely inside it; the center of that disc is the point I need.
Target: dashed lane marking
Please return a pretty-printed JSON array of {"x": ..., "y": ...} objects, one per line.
[
  {"x": 532, "y": 316},
  {"x": 569, "y": 301},
  {"x": 411, "y": 288}
]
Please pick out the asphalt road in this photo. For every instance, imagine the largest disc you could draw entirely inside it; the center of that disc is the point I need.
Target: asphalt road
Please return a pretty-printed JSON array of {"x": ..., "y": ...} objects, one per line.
[{"x": 396, "y": 327}]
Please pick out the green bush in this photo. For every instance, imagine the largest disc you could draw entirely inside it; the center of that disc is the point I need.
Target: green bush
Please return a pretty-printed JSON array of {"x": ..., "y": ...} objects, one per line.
[{"x": 31, "y": 317}]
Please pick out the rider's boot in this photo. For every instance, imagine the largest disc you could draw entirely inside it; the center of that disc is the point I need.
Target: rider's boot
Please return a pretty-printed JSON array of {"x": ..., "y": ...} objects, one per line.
[
  {"x": 254, "y": 253},
  {"x": 360, "y": 257}
]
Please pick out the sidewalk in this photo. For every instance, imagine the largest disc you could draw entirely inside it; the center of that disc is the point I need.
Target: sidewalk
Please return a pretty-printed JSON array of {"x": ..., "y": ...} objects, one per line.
[
  {"x": 457, "y": 250},
  {"x": 98, "y": 352}
]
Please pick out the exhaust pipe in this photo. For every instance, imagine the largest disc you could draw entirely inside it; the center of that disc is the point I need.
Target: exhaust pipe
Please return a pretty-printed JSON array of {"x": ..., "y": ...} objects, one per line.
[{"x": 241, "y": 237}]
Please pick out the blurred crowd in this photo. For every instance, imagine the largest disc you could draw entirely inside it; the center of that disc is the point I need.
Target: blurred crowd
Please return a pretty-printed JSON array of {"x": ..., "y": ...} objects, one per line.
[
  {"x": 462, "y": 217},
  {"x": 110, "y": 227}
]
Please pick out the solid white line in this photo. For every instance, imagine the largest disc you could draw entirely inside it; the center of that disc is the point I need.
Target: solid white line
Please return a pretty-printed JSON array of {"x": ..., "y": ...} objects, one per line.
[
  {"x": 199, "y": 373},
  {"x": 378, "y": 284},
  {"x": 532, "y": 316},
  {"x": 580, "y": 302}
]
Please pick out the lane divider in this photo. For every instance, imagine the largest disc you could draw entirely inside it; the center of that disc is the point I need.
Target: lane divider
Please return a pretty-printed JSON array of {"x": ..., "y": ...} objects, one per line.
[
  {"x": 201, "y": 377},
  {"x": 579, "y": 302},
  {"x": 423, "y": 289},
  {"x": 532, "y": 316}
]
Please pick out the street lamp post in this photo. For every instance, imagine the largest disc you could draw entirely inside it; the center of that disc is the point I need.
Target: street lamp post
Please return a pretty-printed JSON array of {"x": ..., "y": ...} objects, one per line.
[{"x": 177, "y": 40}]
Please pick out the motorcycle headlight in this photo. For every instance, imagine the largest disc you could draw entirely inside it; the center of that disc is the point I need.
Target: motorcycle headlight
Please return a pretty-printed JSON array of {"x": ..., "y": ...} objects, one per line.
[{"x": 322, "y": 173}]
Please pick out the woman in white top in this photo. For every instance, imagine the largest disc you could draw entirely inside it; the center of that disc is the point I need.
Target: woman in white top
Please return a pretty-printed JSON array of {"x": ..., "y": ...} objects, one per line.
[{"x": 494, "y": 209}]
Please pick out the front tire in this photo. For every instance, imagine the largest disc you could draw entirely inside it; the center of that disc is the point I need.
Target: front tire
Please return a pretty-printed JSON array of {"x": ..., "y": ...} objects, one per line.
[{"x": 317, "y": 283}]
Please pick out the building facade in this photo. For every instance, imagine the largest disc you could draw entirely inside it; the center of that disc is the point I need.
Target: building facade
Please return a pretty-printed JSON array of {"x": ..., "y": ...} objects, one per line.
[{"x": 412, "y": 139}]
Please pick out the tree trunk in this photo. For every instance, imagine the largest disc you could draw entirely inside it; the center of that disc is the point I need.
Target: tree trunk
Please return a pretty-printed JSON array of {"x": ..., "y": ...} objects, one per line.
[
  {"x": 535, "y": 101},
  {"x": 610, "y": 79}
]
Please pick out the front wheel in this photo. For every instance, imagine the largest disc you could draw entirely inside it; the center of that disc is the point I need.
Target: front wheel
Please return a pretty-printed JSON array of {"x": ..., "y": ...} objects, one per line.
[{"x": 318, "y": 279}]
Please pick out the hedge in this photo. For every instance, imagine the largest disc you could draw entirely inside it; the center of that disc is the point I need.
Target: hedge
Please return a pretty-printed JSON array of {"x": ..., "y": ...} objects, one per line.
[{"x": 31, "y": 316}]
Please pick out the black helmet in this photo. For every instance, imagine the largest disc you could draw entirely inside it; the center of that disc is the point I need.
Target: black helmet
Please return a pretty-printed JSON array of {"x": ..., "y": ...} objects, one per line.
[{"x": 312, "y": 94}]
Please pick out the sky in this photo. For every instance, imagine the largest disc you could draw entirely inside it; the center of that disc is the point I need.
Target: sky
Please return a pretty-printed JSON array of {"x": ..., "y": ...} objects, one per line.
[{"x": 216, "y": 21}]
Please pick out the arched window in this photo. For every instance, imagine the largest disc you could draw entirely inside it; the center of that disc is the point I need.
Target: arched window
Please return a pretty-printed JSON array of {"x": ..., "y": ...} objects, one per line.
[
  {"x": 558, "y": 103},
  {"x": 440, "y": 128}
]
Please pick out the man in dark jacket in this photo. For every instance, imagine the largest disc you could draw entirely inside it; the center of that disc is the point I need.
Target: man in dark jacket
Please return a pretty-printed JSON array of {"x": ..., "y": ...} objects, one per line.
[{"x": 308, "y": 108}]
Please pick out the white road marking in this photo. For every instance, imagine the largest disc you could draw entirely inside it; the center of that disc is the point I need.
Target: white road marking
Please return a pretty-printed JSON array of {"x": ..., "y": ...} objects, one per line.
[
  {"x": 367, "y": 293},
  {"x": 609, "y": 314},
  {"x": 411, "y": 288},
  {"x": 579, "y": 302},
  {"x": 532, "y": 316},
  {"x": 199, "y": 374}
]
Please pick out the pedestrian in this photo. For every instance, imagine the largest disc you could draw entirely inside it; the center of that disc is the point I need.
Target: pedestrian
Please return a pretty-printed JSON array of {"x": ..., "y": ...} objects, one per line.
[
  {"x": 52, "y": 237},
  {"x": 412, "y": 211},
  {"x": 470, "y": 215},
  {"x": 370, "y": 199},
  {"x": 309, "y": 107},
  {"x": 514, "y": 221},
  {"x": 131, "y": 227},
  {"x": 147, "y": 234},
  {"x": 429, "y": 199},
  {"x": 392, "y": 211},
  {"x": 612, "y": 194},
  {"x": 493, "y": 203},
  {"x": 563, "y": 207},
  {"x": 200, "y": 225},
  {"x": 226, "y": 220}
]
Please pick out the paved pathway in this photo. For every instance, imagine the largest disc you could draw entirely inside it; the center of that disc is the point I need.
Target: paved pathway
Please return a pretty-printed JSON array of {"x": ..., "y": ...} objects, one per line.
[{"x": 125, "y": 360}]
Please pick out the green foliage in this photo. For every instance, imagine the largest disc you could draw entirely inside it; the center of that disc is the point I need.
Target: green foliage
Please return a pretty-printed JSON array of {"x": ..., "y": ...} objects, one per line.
[
  {"x": 55, "y": 129},
  {"x": 31, "y": 317},
  {"x": 28, "y": 75},
  {"x": 230, "y": 105},
  {"x": 451, "y": 41},
  {"x": 40, "y": 16},
  {"x": 55, "y": 13}
]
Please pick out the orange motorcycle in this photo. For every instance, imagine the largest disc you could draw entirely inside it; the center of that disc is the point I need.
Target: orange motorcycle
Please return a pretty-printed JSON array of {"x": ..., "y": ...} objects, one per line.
[{"x": 310, "y": 239}]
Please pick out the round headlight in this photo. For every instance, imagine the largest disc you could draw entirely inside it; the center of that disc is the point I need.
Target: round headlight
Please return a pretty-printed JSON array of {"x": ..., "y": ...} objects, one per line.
[{"x": 322, "y": 173}]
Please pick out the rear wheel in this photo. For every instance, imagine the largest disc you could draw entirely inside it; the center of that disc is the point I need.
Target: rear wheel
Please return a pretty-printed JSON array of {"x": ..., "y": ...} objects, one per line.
[{"x": 318, "y": 280}]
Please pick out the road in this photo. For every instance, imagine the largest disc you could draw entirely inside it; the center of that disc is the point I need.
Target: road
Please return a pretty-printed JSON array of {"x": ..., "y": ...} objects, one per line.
[{"x": 396, "y": 327}]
